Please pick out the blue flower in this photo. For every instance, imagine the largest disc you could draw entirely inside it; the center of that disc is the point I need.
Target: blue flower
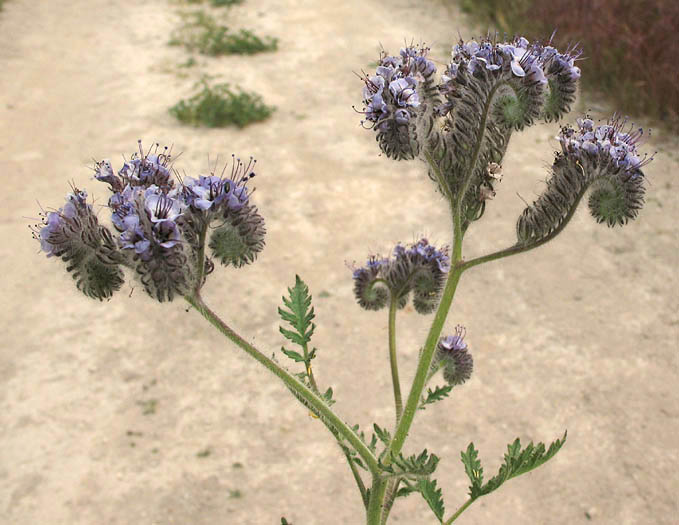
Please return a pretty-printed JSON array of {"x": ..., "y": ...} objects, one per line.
[
  {"x": 452, "y": 354},
  {"x": 610, "y": 141}
]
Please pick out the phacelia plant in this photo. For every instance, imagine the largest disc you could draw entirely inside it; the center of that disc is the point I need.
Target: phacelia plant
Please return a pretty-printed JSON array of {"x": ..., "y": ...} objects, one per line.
[{"x": 459, "y": 125}]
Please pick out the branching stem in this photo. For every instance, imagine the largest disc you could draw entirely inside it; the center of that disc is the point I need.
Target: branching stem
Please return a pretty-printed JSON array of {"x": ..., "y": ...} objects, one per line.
[
  {"x": 393, "y": 307},
  {"x": 322, "y": 409}
]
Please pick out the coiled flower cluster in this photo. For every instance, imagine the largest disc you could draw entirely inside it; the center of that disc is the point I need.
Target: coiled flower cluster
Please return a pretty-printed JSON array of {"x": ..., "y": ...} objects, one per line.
[
  {"x": 162, "y": 227},
  {"x": 421, "y": 268},
  {"x": 461, "y": 125},
  {"x": 392, "y": 97},
  {"x": 602, "y": 157}
]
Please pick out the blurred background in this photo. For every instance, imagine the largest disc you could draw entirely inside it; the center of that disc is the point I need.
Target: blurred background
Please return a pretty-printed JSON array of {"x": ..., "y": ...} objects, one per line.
[
  {"x": 131, "y": 411},
  {"x": 629, "y": 47}
]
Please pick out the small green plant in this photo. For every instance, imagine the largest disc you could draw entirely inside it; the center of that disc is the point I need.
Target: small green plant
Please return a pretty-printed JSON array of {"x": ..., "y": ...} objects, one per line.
[
  {"x": 204, "y": 34},
  {"x": 148, "y": 407},
  {"x": 219, "y": 106},
  {"x": 204, "y": 453}
]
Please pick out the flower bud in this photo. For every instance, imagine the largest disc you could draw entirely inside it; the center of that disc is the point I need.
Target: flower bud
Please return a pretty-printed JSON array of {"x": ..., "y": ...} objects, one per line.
[
  {"x": 370, "y": 292},
  {"x": 452, "y": 355}
]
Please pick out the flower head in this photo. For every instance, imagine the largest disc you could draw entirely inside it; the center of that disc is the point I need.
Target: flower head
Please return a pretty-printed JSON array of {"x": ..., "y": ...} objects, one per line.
[
  {"x": 419, "y": 267},
  {"x": 453, "y": 356},
  {"x": 611, "y": 142},
  {"x": 161, "y": 227},
  {"x": 392, "y": 96},
  {"x": 73, "y": 233}
]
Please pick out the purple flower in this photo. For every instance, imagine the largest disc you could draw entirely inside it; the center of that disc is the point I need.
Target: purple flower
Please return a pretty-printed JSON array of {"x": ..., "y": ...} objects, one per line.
[
  {"x": 64, "y": 227},
  {"x": 161, "y": 207},
  {"x": 402, "y": 75},
  {"x": 420, "y": 267},
  {"x": 452, "y": 354},
  {"x": 454, "y": 342},
  {"x": 613, "y": 141},
  {"x": 404, "y": 93}
]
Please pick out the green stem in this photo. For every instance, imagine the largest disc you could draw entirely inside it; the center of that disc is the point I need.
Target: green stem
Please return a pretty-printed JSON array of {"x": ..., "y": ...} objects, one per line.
[
  {"x": 392, "y": 358},
  {"x": 359, "y": 481},
  {"x": 458, "y": 512},
  {"x": 392, "y": 489},
  {"x": 520, "y": 248},
  {"x": 424, "y": 364},
  {"x": 201, "y": 258},
  {"x": 329, "y": 417},
  {"x": 376, "y": 500}
]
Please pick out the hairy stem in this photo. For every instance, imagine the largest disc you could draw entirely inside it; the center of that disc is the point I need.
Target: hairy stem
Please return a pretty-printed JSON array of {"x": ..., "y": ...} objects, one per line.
[
  {"x": 392, "y": 489},
  {"x": 376, "y": 500},
  {"x": 358, "y": 479},
  {"x": 392, "y": 358},
  {"x": 201, "y": 258},
  {"x": 520, "y": 248},
  {"x": 458, "y": 512},
  {"x": 335, "y": 424}
]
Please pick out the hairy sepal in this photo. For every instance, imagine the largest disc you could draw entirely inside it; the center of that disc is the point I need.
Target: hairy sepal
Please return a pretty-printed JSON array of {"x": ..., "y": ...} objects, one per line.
[
  {"x": 617, "y": 195},
  {"x": 93, "y": 267},
  {"x": 240, "y": 238}
]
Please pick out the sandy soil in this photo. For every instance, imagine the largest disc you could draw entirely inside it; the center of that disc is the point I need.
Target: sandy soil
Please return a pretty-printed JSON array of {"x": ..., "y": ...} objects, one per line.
[{"x": 580, "y": 335}]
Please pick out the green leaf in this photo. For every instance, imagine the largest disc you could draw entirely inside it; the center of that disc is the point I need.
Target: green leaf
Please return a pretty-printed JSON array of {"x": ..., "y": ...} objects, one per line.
[
  {"x": 293, "y": 336},
  {"x": 349, "y": 450},
  {"x": 299, "y": 314},
  {"x": 432, "y": 496},
  {"x": 474, "y": 470},
  {"x": 413, "y": 467},
  {"x": 437, "y": 394},
  {"x": 406, "y": 490},
  {"x": 517, "y": 461},
  {"x": 296, "y": 356},
  {"x": 285, "y": 522},
  {"x": 327, "y": 397},
  {"x": 383, "y": 434}
]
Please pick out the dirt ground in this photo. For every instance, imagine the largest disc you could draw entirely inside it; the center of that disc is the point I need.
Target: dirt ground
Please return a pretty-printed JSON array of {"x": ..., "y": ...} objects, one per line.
[{"x": 133, "y": 412}]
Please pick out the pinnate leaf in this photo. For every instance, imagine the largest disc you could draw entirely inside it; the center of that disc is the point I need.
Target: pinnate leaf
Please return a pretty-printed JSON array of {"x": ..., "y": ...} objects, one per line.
[
  {"x": 295, "y": 356},
  {"x": 432, "y": 495},
  {"x": 299, "y": 314},
  {"x": 517, "y": 461},
  {"x": 435, "y": 395},
  {"x": 382, "y": 433},
  {"x": 413, "y": 467}
]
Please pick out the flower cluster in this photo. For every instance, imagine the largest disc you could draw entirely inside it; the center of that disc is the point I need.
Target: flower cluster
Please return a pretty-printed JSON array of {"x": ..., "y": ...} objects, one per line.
[
  {"x": 608, "y": 142},
  {"x": 162, "y": 226},
  {"x": 452, "y": 355},
  {"x": 530, "y": 63},
  {"x": 421, "y": 268},
  {"x": 391, "y": 98},
  {"x": 602, "y": 158}
]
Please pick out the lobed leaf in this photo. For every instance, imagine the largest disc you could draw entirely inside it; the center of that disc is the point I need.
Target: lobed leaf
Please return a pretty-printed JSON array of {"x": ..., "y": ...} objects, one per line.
[
  {"x": 299, "y": 314},
  {"x": 413, "y": 467},
  {"x": 517, "y": 461},
  {"x": 432, "y": 495},
  {"x": 437, "y": 394}
]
